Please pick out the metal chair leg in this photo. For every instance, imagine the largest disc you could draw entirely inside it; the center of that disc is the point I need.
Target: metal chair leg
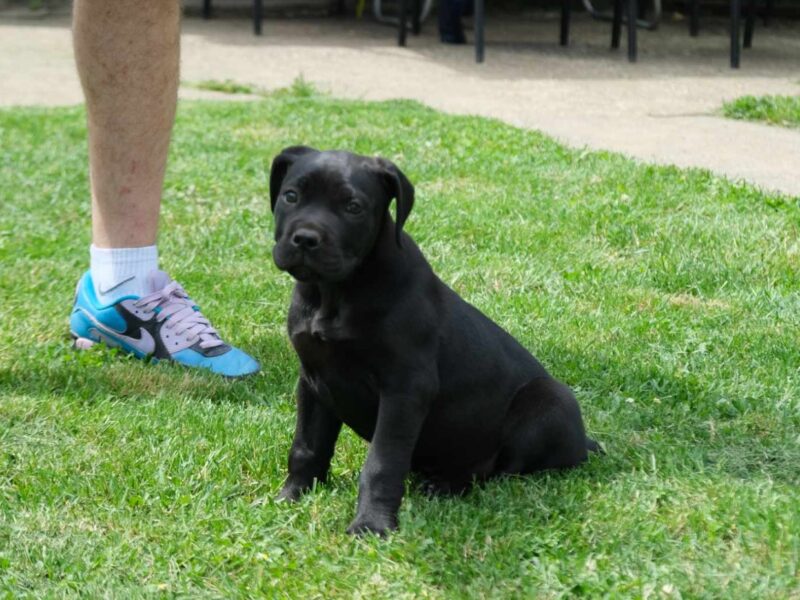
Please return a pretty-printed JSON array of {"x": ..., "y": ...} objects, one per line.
[
  {"x": 206, "y": 9},
  {"x": 749, "y": 24},
  {"x": 402, "y": 25},
  {"x": 479, "y": 25},
  {"x": 258, "y": 11},
  {"x": 768, "y": 12},
  {"x": 566, "y": 8},
  {"x": 736, "y": 11},
  {"x": 616, "y": 24},
  {"x": 632, "y": 7},
  {"x": 694, "y": 18}
]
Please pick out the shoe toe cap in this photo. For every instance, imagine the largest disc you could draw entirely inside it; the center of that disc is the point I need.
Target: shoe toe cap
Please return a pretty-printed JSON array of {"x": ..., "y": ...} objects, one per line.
[{"x": 233, "y": 363}]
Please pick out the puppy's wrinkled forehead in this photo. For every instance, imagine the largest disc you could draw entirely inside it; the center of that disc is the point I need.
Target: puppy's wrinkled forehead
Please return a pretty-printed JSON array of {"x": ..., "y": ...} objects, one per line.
[{"x": 335, "y": 175}]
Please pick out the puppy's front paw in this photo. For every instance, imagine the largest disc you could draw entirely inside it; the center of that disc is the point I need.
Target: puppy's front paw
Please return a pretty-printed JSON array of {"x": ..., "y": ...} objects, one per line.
[{"x": 372, "y": 524}]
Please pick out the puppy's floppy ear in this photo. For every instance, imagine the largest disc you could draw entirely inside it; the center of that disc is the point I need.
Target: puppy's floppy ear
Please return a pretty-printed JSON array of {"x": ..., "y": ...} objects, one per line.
[
  {"x": 280, "y": 165},
  {"x": 400, "y": 188}
]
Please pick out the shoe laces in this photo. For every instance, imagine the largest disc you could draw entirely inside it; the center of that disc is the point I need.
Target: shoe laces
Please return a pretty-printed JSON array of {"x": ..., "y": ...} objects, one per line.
[{"x": 181, "y": 314}]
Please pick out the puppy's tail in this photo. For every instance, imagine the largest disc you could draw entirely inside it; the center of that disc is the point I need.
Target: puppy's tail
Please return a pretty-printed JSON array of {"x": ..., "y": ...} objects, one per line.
[{"x": 593, "y": 446}]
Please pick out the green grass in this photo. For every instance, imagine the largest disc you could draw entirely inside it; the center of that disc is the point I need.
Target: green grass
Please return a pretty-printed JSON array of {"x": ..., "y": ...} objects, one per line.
[
  {"x": 227, "y": 86},
  {"x": 775, "y": 110},
  {"x": 668, "y": 299},
  {"x": 299, "y": 88}
]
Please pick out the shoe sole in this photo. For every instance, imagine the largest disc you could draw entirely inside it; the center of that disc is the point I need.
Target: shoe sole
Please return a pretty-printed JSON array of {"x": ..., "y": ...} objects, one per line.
[{"x": 82, "y": 343}]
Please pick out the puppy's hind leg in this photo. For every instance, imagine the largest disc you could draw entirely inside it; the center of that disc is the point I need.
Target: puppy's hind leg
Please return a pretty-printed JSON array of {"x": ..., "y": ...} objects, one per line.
[{"x": 544, "y": 430}]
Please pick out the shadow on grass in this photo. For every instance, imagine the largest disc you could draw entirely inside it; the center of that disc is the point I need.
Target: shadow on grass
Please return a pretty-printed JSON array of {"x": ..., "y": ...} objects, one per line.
[
  {"x": 684, "y": 425},
  {"x": 102, "y": 373}
]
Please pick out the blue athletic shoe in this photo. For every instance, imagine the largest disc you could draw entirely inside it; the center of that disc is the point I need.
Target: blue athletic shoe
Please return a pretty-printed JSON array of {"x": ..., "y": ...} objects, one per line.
[{"x": 164, "y": 325}]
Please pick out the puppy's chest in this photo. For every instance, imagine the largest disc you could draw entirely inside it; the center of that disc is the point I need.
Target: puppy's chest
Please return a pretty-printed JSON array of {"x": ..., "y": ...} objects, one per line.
[
  {"x": 339, "y": 362},
  {"x": 320, "y": 327},
  {"x": 330, "y": 352}
]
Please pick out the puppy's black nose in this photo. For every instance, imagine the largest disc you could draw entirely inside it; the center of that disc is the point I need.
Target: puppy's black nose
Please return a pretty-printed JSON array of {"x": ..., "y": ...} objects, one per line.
[{"x": 306, "y": 239}]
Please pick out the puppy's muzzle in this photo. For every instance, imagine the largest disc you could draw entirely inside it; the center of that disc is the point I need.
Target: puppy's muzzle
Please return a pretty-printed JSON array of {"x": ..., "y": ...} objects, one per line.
[{"x": 307, "y": 253}]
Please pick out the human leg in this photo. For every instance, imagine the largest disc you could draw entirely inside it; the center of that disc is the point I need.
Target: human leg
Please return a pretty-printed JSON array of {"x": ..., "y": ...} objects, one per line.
[{"x": 127, "y": 54}]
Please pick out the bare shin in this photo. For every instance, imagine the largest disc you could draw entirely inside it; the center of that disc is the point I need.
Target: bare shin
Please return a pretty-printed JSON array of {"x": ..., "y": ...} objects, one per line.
[{"x": 127, "y": 53}]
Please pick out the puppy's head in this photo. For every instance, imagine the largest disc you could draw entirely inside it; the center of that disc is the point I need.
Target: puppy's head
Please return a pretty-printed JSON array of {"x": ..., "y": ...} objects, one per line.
[{"x": 329, "y": 208}]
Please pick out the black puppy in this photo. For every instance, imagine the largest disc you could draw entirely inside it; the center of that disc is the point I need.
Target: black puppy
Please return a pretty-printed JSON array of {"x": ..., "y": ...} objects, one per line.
[{"x": 390, "y": 350}]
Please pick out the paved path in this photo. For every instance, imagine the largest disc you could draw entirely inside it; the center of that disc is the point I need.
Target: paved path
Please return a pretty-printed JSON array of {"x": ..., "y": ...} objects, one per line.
[{"x": 659, "y": 110}]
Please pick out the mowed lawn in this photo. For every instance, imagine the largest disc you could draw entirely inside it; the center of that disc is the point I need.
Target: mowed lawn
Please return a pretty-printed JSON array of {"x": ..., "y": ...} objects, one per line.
[
  {"x": 667, "y": 299},
  {"x": 774, "y": 110}
]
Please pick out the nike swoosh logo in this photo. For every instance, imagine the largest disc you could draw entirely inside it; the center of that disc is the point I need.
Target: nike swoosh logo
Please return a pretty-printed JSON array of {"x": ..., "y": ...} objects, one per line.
[
  {"x": 144, "y": 343},
  {"x": 115, "y": 286}
]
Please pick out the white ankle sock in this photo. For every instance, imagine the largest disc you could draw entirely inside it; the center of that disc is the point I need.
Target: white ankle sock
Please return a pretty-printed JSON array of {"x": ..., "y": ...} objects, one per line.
[{"x": 118, "y": 272}]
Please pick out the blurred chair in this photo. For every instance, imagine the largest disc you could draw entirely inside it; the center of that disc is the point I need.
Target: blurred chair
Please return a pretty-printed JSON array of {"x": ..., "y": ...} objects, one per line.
[
  {"x": 735, "y": 27},
  {"x": 629, "y": 7},
  {"x": 402, "y": 24},
  {"x": 258, "y": 12}
]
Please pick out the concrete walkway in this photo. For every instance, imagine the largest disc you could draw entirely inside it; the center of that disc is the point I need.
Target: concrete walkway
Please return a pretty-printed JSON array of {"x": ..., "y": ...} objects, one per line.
[{"x": 659, "y": 110}]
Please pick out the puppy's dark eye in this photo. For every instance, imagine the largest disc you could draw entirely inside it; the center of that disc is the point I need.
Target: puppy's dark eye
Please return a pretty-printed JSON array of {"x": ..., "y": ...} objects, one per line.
[
  {"x": 353, "y": 207},
  {"x": 290, "y": 197}
]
